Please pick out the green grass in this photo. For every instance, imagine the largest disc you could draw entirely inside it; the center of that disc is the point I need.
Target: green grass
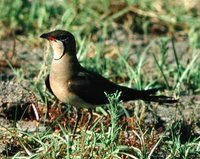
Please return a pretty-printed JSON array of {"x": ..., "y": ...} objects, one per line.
[
  {"x": 107, "y": 142},
  {"x": 149, "y": 59}
]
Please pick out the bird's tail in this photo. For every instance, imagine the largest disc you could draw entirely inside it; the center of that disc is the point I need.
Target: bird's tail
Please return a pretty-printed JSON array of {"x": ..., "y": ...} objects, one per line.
[
  {"x": 160, "y": 99},
  {"x": 146, "y": 95}
]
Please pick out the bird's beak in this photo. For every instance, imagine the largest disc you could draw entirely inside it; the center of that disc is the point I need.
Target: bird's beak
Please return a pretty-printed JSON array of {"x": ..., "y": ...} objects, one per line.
[
  {"x": 48, "y": 37},
  {"x": 44, "y": 36}
]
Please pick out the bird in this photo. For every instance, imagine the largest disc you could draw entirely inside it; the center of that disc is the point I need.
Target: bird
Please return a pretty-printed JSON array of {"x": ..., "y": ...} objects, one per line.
[{"x": 73, "y": 84}]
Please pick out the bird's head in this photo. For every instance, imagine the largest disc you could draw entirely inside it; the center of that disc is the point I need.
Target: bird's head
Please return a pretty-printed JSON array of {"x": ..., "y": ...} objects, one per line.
[{"x": 62, "y": 42}]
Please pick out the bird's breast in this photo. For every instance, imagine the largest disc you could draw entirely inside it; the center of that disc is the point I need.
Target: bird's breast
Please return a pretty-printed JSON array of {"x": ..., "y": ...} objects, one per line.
[{"x": 59, "y": 86}]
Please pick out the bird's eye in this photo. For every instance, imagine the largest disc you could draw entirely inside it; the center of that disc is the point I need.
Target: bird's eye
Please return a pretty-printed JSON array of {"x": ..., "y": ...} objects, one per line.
[{"x": 64, "y": 39}]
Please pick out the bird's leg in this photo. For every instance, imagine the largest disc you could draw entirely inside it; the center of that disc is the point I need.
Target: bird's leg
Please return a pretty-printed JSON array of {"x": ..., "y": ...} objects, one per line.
[
  {"x": 89, "y": 119},
  {"x": 78, "y": 117}
]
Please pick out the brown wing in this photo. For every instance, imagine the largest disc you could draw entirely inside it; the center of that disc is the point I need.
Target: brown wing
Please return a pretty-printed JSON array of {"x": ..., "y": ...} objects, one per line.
[{"x": 91, "y": 88}]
